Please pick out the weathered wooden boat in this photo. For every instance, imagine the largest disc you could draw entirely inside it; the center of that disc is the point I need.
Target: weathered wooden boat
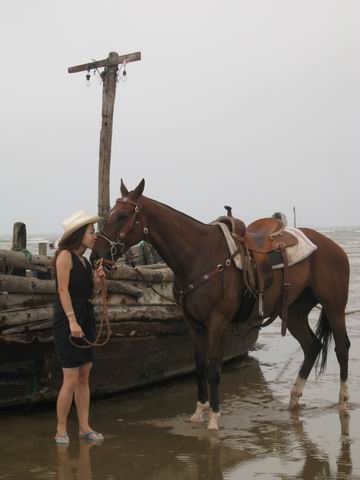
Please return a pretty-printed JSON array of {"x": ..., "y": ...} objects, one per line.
[{"x": 149, "y": 341}]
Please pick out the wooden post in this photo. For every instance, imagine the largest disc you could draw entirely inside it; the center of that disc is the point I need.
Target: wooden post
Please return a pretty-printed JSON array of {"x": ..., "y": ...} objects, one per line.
[
  {"x": 109, "y": 77},
  {"x": 18, "y": 243},
  {"x": 19, "y": 237},
  {"x": 43, "y": 248}
]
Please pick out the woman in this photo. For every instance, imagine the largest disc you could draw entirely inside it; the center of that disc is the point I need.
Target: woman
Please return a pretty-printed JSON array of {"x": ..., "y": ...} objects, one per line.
[{"x": 74, "y": 315}]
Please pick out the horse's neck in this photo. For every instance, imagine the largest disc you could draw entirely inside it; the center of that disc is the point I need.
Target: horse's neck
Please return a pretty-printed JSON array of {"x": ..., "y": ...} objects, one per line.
[{"x": 180, "y": 240}]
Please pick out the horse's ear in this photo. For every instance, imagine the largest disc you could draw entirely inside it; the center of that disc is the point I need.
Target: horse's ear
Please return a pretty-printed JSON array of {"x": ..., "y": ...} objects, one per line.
[
  {"x": 140, "y": 188},
  {"x": 123, "y": 189}
]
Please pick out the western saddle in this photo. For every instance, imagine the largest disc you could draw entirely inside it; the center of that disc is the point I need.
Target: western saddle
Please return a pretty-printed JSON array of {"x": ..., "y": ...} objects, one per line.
[{"x": 254, "y": 243}]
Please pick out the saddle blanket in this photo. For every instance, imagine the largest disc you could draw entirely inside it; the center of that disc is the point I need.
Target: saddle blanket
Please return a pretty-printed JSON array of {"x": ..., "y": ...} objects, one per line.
[{"x": 296, "y": 253}]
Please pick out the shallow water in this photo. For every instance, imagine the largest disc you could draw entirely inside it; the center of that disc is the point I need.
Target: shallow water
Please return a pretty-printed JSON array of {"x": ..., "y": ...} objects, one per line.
[{"x": 147, "y": 435}]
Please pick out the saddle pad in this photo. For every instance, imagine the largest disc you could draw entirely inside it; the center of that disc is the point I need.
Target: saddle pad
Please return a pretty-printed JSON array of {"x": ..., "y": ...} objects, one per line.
[{"x": 296, "y": 253}]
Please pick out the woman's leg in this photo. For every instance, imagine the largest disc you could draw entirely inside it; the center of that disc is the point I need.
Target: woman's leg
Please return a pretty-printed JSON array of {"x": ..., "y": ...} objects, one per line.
[
  {"x": 82, "y": 398},
  {"x": 65, "y": 397}
]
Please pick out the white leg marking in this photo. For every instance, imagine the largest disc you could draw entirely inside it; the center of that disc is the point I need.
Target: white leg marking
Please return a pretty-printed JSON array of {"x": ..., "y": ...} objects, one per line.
[
  {"x": 198, "y": 416},
  {"x": 296, "y": 391},
  {"x": 213, "y": 420},
  {"x": 343, "y": 394}
]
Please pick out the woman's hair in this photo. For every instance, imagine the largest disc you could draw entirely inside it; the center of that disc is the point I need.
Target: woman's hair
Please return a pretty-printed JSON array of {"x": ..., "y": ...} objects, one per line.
[{"x": 72, "y": 242}]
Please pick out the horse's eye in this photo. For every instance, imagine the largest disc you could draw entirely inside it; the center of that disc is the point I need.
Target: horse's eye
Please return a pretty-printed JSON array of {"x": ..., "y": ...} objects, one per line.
[{"x": 122, "y": 216}]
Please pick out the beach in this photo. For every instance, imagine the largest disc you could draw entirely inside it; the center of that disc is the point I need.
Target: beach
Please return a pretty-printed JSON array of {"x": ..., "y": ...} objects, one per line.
[{"x": 147, "y": 435}]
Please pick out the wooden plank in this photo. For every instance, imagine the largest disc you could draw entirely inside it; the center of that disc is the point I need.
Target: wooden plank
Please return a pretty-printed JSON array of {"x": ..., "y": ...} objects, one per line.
[
  {"x": 16, "y": 284},
  {"x": 20, "y": 300},
  {"x": 145, "y": 313},
  {"x": 128, "y": 58},
  {"x": 21, "y": 259},
  {"x": 123, "y": 272},
  {"x": 26, "y": 316},
  {"x": 13, "y": 283}
]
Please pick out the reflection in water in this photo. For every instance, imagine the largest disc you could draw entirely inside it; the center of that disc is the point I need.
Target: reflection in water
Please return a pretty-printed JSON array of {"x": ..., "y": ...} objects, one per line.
[
  {"x": 317, "y": 462},
  {"x": 147, "y": 436},
  {"x": 69, "y": 468},
  {"x": 74, "y": 469},
  {"x": 258, "y": 435},
  {"x": 343, "y": 462}
]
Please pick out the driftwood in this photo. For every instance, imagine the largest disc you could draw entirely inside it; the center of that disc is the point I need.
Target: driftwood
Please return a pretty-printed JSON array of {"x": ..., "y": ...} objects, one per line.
[
  {"x": 39, "y": 263},
  {"x": 15, "y": 284},
  {"x": 122, "y": 287},
  {"x": 28, "y": 316},
  {"x": 145, "y": 313},
  {"x": 155, "y": 266},
  {"x": 123, "y": 272},
  {"x": 24, "y": 300}
]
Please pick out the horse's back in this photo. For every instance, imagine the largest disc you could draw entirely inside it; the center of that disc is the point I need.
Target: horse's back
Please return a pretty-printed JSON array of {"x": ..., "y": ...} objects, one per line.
[
  {"x": 329, "y": 266},
  {"x": 326, "y": 245}
]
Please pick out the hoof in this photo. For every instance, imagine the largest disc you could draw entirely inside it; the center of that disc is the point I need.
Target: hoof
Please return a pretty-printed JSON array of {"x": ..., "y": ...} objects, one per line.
[
  {"x": 198, "y": 416},
  {"x": 343, "y": 396},
  {"x": 213, "y": 421},
  {"x": 294, "y": 399},
  {"x": 342, "y": 406},
  {"x": 293, "y": 404}
]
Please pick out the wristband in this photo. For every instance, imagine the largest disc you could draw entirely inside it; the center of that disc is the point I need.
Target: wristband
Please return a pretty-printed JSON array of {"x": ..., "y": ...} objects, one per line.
[{"x": 68, "y": 314}]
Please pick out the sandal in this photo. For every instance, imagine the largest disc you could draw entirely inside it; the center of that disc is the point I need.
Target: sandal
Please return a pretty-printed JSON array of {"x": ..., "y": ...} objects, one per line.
[
  {"x": 62, "y": 438},
  {"x": 95, "y": 436}
]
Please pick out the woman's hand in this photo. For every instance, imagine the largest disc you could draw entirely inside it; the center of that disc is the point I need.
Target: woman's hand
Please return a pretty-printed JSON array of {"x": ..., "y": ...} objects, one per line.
[
  {"x": 75, "y": 329},
  {"x": 99, "y": 274}
]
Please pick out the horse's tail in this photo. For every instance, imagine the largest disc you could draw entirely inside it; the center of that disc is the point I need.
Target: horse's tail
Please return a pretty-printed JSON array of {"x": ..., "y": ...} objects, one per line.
[{"x": 324, "y": 335}]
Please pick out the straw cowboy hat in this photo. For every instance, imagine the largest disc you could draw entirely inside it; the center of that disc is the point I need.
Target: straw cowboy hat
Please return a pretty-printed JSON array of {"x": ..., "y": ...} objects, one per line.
[{"x": 75, "y": 221}]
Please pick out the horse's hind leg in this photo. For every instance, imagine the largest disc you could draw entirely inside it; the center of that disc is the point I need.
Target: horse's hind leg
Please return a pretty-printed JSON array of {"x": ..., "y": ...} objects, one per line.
[
  {"x": 199, "y": 341},
  {"x": 299, "y": 328},
  {"x": 342, "y": 345}
]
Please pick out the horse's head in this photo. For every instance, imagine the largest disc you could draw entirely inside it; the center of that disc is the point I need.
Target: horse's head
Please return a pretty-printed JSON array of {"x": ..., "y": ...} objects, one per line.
[{"x": 124, "y": 226}]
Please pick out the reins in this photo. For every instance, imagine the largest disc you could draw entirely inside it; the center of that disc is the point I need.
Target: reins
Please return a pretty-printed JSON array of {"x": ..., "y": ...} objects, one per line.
[
  {"x": 119, "y": 241},
  {"x": 149, "y": 285},
  {"x": 104, "y": 319}
]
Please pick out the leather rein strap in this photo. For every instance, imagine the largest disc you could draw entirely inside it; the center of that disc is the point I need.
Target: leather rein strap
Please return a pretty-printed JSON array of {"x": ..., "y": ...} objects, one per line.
[
  {"x": 104, "y": 320},
  {"x": 120, "y": 241}
]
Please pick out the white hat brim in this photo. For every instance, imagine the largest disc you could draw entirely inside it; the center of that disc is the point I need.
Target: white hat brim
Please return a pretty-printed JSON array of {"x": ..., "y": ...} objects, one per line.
[{"x": 84, "y": 221}]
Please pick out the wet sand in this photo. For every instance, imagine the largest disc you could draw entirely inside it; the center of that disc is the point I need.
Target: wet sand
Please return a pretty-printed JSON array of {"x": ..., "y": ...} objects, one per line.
[{"x": 147, "y": 435}]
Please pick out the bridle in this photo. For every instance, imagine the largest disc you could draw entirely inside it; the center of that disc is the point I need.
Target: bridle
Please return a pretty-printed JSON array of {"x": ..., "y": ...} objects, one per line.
[{"x": 118, "y": 245}]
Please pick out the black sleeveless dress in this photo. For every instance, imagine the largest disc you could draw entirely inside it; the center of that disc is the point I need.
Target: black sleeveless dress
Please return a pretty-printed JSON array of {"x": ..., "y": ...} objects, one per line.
[{"x": 80, "y": 289}]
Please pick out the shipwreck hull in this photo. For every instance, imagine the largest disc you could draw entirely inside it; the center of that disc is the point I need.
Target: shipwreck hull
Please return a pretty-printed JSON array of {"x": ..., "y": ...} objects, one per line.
[{"x": 30, "y": 372}]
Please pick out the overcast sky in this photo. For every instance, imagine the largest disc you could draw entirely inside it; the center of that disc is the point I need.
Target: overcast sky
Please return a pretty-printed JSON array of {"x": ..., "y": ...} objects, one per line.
[{"x": 249, "y": 103}]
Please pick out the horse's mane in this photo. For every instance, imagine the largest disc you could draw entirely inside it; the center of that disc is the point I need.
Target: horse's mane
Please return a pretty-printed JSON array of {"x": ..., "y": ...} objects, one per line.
[
  {"x": 170, "y": 208},
  {"x": 181, "y": 213}
]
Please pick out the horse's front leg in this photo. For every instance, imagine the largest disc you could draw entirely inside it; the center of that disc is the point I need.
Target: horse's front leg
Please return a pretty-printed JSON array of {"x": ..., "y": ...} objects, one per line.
[
  {"x": 216, "y": 345},
  {"x": 199, "y": 341}
]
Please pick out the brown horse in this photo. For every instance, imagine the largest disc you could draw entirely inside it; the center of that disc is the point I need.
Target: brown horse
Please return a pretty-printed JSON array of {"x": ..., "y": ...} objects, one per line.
[{"x": 194, "y": 250}]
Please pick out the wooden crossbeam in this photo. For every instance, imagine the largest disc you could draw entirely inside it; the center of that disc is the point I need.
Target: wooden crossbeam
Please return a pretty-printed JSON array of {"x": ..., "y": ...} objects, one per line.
[{"x": 112, "y": 60}]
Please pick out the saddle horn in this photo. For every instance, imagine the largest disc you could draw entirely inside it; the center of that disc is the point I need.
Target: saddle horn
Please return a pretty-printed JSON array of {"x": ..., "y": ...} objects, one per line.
[{"x": 228, "y": 209}]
